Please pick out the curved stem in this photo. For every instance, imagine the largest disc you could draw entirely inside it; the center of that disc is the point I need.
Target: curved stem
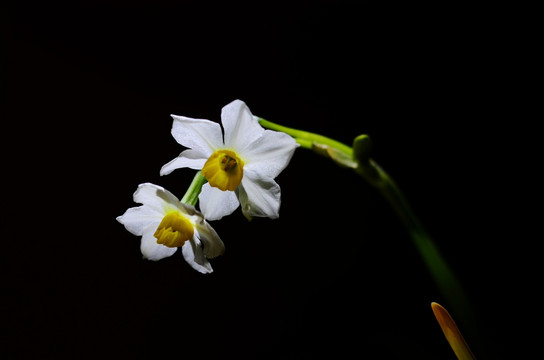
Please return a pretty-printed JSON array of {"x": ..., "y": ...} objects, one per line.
[
  {"x": 307, "y": 139},
  {"x": 357, "y": 157}
]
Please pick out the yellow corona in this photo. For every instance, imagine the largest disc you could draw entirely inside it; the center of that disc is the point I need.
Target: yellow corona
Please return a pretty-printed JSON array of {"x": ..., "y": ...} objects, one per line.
[
  {"x": 224, "y": 170},
  {"x": 174, "y": 230}
]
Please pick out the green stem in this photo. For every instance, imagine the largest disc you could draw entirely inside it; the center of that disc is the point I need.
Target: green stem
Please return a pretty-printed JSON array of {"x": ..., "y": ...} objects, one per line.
[
  {"x": 307, "y": 139},
  {"x": 191, "y": 196}
]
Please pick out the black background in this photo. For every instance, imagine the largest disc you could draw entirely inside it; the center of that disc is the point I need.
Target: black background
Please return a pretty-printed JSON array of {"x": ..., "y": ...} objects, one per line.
[{"x": 88, "y": 90}]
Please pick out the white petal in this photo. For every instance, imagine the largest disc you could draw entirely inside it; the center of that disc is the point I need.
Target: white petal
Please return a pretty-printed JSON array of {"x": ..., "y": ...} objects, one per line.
[
  {"x": 213, "y": 245},
  {"x": 155, "y": 197},
  {"x": 193, "y": 254},
  {"x": 241, "y": 128},
  {"x": 190, "y": 158},
  {"x": 270, "y": 154},
  {"x": 201, "y": 135},
  {"x": 215, "y": 203},
  {"x": 259, "y": 196},
  {"x": 149, "y": 247},
  {"x": 136, "y": 219}
]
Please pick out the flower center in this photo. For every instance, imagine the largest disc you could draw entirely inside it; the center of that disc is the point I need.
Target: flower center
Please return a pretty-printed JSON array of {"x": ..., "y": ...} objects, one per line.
[
  {"x": 174, "y": 230},
  {"x": 224, "y": 170}
]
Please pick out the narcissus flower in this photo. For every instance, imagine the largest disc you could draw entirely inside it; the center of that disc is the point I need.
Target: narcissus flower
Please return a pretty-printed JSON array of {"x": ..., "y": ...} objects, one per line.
[
  {"x": 166, "y": 224},
  {"x": 240, "y": 165}
]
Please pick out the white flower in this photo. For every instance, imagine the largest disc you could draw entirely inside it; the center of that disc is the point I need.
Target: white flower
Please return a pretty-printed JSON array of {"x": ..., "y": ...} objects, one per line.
[
  {"x": 165, "y": 224},
  {"x": 240, "y": 166}
]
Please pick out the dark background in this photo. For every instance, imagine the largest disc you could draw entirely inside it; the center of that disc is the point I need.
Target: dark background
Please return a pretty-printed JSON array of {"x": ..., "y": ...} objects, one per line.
[{"x": 88, "y": 87}]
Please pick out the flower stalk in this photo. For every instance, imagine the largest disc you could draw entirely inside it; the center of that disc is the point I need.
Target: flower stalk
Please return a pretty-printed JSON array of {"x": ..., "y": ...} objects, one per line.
[
  {"x": 307, "y": 139},
  {"x": 191, "y": 195}
]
